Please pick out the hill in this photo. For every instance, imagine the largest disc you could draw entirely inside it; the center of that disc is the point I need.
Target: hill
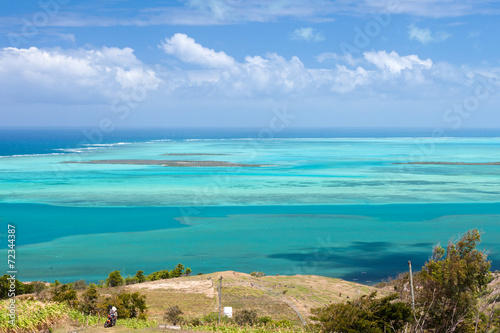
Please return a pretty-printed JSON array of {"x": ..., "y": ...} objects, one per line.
[{"x": 281, "y": 297}]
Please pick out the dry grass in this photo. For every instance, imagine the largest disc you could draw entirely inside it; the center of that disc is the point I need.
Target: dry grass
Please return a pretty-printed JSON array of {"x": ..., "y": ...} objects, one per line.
[{"x": 281, "y": 297}]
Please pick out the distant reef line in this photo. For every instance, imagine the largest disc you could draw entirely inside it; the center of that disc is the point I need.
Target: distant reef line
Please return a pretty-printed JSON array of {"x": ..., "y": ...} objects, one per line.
[
  {"x": 452, "y": 163},
  {"x": 169, "y": 163},
  {"x": 192, "y": 154}
]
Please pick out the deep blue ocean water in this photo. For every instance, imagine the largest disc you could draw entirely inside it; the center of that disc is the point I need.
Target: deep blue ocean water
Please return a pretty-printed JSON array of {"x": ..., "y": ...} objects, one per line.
[{"x": 328, "y": 202}]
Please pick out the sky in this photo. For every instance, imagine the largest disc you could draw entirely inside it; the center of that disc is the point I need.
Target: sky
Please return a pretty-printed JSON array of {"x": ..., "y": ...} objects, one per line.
[{"x": 250, "y": 63}]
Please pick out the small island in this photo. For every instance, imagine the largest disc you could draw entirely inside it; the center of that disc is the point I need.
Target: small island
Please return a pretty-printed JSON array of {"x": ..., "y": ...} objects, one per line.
[
  {"x": 171, "y": 163},
  {"x": 192, "y": 154},
  {"x": 452, "y": 163}
]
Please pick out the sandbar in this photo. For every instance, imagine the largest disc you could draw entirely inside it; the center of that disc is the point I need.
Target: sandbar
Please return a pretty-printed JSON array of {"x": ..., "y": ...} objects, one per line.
[{"x": 171, "y": 163}]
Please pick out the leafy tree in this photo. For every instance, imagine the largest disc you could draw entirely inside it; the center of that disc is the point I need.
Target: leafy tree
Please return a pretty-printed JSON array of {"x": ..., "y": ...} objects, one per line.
[
  {"x": 173, "y": 315},
  {"x": 257, "y": 274},
  {"x": 164, "y": 274},
  {"x": 89, "y": 300},
  {"x": 131, "y": 280},
  {"x": 131, "y": 305},
  {"x": 64, "y": 293},
  {"x": 246, "y": 317},
  {"x": 140, "y": 276},
  {"x": 115, "y": 279},
  {"x": 178, "y": 270},
  {"x": 5, "y": 285},
  {"x": 448, "y": 286}
]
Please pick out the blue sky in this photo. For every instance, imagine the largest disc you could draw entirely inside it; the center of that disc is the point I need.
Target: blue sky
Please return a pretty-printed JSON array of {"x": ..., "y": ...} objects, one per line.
[{"x": 235, "y": 63}]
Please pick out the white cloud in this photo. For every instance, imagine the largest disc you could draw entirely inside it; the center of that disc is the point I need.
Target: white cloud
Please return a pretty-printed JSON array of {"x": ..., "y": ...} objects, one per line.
[
  {"x": 72, "y": 76},
  {"x": 307, "y": 35},
  {"x": 425, "y": 35},
  {"x": 346, "y": 58},
  {"x": 394, "y": 63},
  {"x": 81, "y": 77},
  {"x": 187, "y": 50},
  {"x": 431, "y": 8},
  {"x": 216, "y": 12}
]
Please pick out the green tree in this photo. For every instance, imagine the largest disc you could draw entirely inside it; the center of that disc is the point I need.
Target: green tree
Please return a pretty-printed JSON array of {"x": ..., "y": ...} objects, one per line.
[
  {"x": 140, "y": 276},
  {"x": 448, "y": 286},
  {"x": 178, "y": 270},
  {"x": 64, "y": 293},
  {"x": 89, "y": 300},
  {"x": 115, "y": 279},
  {"x": 5, "y": 286},
  {"x": 131, "y": 305},
  {"x": 131, "y": 280}
]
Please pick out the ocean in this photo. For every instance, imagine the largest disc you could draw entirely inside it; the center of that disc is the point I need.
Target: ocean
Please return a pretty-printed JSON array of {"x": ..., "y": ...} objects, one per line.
[{"x": 339, "y": 203}]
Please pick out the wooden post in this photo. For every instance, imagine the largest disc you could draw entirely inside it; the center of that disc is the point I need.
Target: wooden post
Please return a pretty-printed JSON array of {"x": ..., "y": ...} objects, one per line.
[
  {"x": 220, "y": 297},
  {"x": 411, "y": 286}
]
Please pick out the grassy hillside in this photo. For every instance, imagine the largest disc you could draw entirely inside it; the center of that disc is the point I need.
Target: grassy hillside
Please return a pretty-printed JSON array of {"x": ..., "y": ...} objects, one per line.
[{"x": 281, "y": 297}]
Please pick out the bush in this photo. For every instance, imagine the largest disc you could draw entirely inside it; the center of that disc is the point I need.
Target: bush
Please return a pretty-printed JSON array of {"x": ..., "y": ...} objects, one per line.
[
  {"x": 257, "y": 274},
  {"x": 79, "y": 285},
  {"x": 89, "y": 300},
  {"x": 131, "y": 280},
  {"x": 140, "y": 276},
  {"x": 178, "y": 271},
  {"x": 210, "y": 318},
  {"x": 265, "y": 320},
  {"x": 5, "y": 287},
  {"x": 64, "y": 293},
  {"x": 128, "y": 305},
  {"x": 367, "y": 314},
  {"x": 246, "y": 317},
  {"x": 131, "y": 305},
  {"x": 173, "y": 315},
  {"x": 114, "y": 279}
]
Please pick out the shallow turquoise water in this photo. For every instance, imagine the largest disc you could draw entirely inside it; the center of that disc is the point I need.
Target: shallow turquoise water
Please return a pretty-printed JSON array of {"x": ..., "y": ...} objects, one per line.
[{"x": 336, "y": 207}]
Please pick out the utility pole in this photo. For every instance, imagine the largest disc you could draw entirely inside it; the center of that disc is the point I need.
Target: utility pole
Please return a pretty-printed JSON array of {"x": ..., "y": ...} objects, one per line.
[
  {"x": 220, "y": 297},
  {"x": 411, "y": 286}
]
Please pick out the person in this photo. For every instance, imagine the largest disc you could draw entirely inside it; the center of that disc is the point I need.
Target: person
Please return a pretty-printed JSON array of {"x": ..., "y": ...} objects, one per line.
[{"x": 113, "y": 312}]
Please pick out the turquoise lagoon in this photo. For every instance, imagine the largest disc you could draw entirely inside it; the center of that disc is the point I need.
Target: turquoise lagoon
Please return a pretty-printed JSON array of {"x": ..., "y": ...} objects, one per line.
[{"x": 339, "y": 207}]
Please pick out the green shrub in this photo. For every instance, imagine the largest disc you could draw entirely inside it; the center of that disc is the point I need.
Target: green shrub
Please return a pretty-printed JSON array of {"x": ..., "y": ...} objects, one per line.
[
  {"x": 114, "y": 279},
  {"x": 79, "y": 285},
  {"x": 131, "y": 280},
  {"x": 246, "y": 317},
  {"x": 89, "y": 300},
  {"x": 173, "y": 315},
  {"x": 265, "y": 320},
  {"x": 64, "y": 293},
  {"x": 140, "y": 276}
]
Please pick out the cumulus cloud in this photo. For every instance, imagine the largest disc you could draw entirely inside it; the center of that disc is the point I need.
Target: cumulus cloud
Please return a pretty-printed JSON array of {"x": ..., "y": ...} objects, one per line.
[
  {"x": 307, "y": 35},
  {"x": 425, "y": 35},
  {"x": 83, "y": 76},
  {"x": 186, "y": 49},
  {"x": 274, "y": 75},
  {"x": 90, "y": 76},
  {"x": 394, "y": 63}
]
